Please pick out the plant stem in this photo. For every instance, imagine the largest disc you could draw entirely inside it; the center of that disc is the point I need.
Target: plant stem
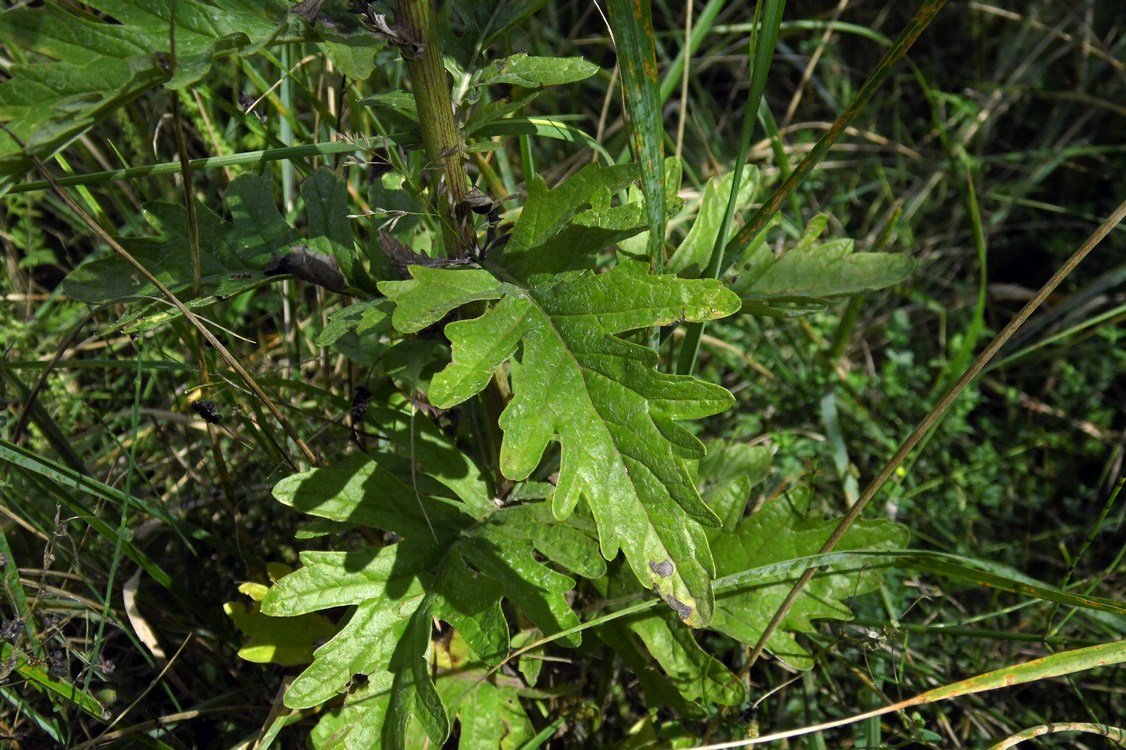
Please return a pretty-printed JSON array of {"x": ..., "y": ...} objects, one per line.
[{"x": 422, "y": 51}]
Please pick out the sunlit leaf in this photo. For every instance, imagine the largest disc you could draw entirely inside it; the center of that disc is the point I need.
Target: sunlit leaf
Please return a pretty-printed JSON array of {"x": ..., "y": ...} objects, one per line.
[
  {"x": 598, "y": 395},
  {"x": 784, "y": 529},
  {"x": 814, "y": 269}
]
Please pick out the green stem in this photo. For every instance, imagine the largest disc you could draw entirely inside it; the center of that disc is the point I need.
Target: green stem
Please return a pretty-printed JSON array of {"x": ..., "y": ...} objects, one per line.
[{"x": 422, "y": 51}]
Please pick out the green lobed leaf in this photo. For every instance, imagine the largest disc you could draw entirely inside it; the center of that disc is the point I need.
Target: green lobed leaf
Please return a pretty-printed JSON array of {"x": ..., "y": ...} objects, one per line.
[
  {"x": 413, "y": 693},
  {"x": 398, "y": 108},
  {"x": 691, "y": 259},
  {"x": 637, "y": 247},
  {"x": 384, "y": 588},
  {"x": 489, "y": 112},
  {"x": 547, "y": 213},
  {"x": 449, "y": 469},
  {"x": 697, "y": 676},
  {"x": 370, "y": 316},
  {"x": 534, "y": 72},
  {"x": 599, "y": 396},
  {"x": 781, "y": 530},
  {"x": 288, "y": 641},
  {"x": 471, "y": 603},
  {"x": 445, "y": 567},
  {"x": 506, "y": 549},
  {"x": 488, "y": 710},
  {"x": 94, "y": 67},
  {"x": 341, "y": 35},
  {"x": 227, "y": 249},
  {"x": 728, "y": 473},
  {"x": 818, "y": 269},
  {"x": 356, "y": 725},
  {"x": 368, "y": 492}
]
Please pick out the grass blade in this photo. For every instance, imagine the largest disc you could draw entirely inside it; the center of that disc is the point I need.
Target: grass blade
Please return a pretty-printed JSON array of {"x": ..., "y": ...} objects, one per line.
[
  {"x": 764, "y": 42},
  {"x": 890, "y": 60},
  {"x": 632, "y": 24}
]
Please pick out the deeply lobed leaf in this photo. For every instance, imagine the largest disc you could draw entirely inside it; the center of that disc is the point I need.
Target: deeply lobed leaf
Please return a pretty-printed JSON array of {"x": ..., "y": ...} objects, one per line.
[
  {"x": 600, "y": 396},
  {"x": 783, "y": 530}
]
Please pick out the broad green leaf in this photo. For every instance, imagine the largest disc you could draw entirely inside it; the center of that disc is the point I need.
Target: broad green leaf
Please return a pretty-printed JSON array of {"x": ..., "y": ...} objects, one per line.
[
  {"x": 534, "y": 72},
  {"x": 413, "y": 693},
  {"x": 505, "y": 553},
  {"x": 361, "y": 317},
  {"x": 818, "y": 269},
  {"x": 728, "y": 473},
  {"x": 94, "y": 67},
  {"x": 445, "y": 567},
  {"x": 780, "y": 530},
  {"x": 697, "y": 676},
  {"x": 599, "y": 396},
  {"x": 398, "y": 109},
  {"x": 288, "y": 641},
  {"x": 547, "y": 213},
  {"x": 354, "y": 54},
  {"x": 472, "y": 604},
  {"x": 506, "y": 547},
  {"x": 658, "y": 688},
  {"x": 385, "y": 590},
  {"x": 228, "y": 250},
  {"x": 386, "y": 638},
  {"x": 691, "y": 259},
  {"x": 637, "y": 247},
  {"x": 357, "y": 725},
  {"x": 488, "y": 112},
  {"x": 487, "y": 709},
  {"x": 577, "y": 245},
  {"x": 342, "y": 36},
  {"x": 326, "y": 211},
  {"x": 365, "y": 491},
  {"x": 530, "y": 664}
]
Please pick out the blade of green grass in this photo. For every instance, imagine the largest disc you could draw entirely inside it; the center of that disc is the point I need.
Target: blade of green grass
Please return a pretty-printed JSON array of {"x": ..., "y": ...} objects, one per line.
[
  {"x": 34, "y": 672},
  {"x": 64, "y": 479},
  {"x": 701, "y": 26},
  {"x": 631, "y": 22},
  {"x": 954, "y": 567},
  {"x": 763, "y": 43},
  {"x": 544, "y": 128},
  {"x": 212, "y": 162},
  {"x": 743, "y": 239}
]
